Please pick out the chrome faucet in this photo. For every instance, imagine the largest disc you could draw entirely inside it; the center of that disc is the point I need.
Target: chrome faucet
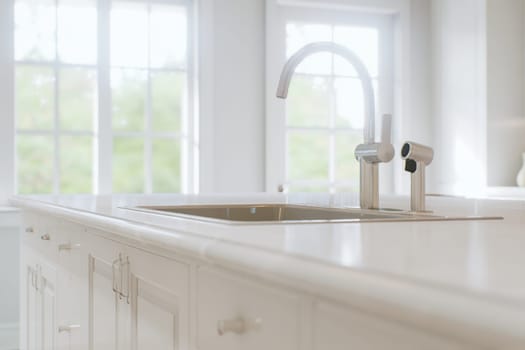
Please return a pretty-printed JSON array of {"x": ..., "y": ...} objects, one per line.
[{"x": 370, "y": 153}]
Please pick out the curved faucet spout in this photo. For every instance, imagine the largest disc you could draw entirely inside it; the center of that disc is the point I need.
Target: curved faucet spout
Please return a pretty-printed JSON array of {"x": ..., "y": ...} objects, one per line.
[
  {"x": 366, "y": 81},
  {"x": 369, "y": 154}
]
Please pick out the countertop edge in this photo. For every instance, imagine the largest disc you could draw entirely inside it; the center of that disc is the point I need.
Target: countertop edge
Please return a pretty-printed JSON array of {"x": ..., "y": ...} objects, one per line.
[{"x": 465, "y": 316}]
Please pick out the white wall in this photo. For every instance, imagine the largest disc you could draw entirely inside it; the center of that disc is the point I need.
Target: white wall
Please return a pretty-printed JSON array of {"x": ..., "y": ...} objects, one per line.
[
  {"x": 6, "y": 103},
  {"x": 413, "y": 87},
  {"x": 9, "y": 278},
  {"x": 232, "y": 95},
  {"x": 459, "y": 45},
  {"x": 505, "y": 90}
]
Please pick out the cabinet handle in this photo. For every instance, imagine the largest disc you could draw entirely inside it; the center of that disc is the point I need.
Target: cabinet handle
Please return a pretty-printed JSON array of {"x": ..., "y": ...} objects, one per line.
[
  {"x": 124, "y": 279},
  {"x": 68, "y": 328},
  {"x": 33, "y": 274},
  {"x": 68, "y": 246},
  {"x": 30, "y": 229},
  {"x": 38, "y": 272},
  {"x": 238, "y": 325},
  {"x": 45, "y": 237},
  {"x": 113, "y": 273}
]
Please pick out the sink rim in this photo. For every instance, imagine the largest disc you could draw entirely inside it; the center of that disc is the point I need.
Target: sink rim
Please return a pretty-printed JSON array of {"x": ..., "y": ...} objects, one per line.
[{"x": 390, "y": 215}]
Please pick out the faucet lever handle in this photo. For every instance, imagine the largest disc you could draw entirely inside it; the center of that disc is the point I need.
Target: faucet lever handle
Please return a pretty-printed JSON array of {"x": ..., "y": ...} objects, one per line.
[{"x": 386, "y": 128}]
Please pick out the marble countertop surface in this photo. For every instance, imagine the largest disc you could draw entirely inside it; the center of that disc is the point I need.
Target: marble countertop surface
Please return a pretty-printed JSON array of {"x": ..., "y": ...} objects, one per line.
[{"x": 462, "y": 276}]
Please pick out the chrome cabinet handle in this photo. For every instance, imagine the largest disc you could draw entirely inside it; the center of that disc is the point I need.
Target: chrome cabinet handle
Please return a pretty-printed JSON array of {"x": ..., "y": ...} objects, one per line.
[
  {"x": 38, "y": 272},
  {"x": 238, "y": 325},
  {"x": 30, "y": 229},
  {"x": 114, "y": 273},
  {"x": 68, "y": 328},
  {"x": 33, "y": 284},
  {"x": 124, "y": 279},
  {"x": 68, "y": 246},
  {"x": 45, "y": 237}
]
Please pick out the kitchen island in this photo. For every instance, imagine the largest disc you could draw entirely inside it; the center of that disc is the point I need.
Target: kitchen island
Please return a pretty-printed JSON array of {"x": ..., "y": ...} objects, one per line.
[{"x": 101, "y": 276}]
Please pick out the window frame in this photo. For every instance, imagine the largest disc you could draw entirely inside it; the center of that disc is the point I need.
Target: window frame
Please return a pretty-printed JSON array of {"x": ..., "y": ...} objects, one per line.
[
  {"x": 381, "y": 15},
  {"x": 102, "y": 131}
]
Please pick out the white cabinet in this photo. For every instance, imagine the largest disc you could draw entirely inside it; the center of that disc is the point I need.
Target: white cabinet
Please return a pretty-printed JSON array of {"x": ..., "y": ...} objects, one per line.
[
  {"x": 159, "y": 298},
  {"x": 73, "y": 281},
  {"x": 40, "y": 306},
  {"x": 340, "y": 328},
  {"x": 237, "y": 313},
  {"x": 85, "y": 291},
  {"x": 106, "y": 307},
  {"x": 137, "y": 300}
]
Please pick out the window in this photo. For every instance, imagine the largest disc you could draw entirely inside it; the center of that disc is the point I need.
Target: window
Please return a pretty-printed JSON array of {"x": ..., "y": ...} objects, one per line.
[
  {"x": 321, "y": 122},
  {"x": 103, "y": 96}
]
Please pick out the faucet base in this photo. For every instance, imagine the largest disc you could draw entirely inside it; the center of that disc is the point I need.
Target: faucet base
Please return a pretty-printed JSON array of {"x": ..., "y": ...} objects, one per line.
[{"x": 369, "y": 185}]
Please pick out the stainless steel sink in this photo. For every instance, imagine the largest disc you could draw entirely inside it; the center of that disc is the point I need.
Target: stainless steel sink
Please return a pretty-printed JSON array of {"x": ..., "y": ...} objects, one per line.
[{"x": 287, "y": 213}]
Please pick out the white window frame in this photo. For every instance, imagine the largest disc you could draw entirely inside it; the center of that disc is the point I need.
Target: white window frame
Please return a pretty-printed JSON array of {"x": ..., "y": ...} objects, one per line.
[
  {"x": 7, "y": 102},
  {"x": 342, "y": 12},
  {"x": 103, "y": 132}
]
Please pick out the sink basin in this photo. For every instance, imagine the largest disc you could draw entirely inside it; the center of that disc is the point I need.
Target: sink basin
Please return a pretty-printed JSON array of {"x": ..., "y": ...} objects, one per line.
[{"x": 286, "y": 213}]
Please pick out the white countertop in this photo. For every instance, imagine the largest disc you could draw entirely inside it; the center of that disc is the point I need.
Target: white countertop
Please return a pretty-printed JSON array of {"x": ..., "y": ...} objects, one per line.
[{"x": 446, "y": 274}]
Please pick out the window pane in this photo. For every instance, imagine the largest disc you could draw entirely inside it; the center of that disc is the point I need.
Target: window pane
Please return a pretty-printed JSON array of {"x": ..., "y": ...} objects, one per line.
[
  {"x": 128, "y": 93},
  {"x": 346, "y": 166},
  {"x": 166, "y": 167},
  {"x": 364, "y": 42},
  {"x": 308, "y": 102},
  {"x": 77, "y": 98},
  {"x": 128, "y": 165},
  {"x": 307, "y": 156},
  {"x": 168, "y": 36},
  {"x": 34, "y": 101},
  {"x": 77, "y": 23},
  {"x": 34, "y": 29},
  {"x": 129, "y": 34},
  {"x": 76, "y": 157},
  {"x": 349, "y": 103},
  {"x": 298, "y": 35},
  {"x": 35, "y": 164},
  {"x": 168, "y": 92}
]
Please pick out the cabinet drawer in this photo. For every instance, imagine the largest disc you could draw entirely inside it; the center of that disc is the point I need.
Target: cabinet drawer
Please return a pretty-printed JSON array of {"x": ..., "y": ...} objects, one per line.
[
  {"x": 43, "y": 235},
  {"x": 237, "y": 313},
  {"x": 337, "y": 327}
]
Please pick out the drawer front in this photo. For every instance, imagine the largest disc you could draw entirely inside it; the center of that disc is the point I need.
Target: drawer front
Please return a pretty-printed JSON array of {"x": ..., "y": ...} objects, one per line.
[
  {"x": 339, "y": 328},
  {"x": 237, "y": 313},
  {"x": 44, "y": 235}
]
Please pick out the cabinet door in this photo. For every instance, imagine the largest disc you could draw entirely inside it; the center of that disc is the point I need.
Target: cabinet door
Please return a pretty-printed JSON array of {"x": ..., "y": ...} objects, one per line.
[
  {"x": 340, "y": 328},
  {"x": 236, "y": 313},
  {"x": 47, "y": 305},
  {"x": 28, "y": 335},
  {"x": 109, "y": 313},
  {"x": 38, "y": 309},
  {"x": 159, "y": 302}
]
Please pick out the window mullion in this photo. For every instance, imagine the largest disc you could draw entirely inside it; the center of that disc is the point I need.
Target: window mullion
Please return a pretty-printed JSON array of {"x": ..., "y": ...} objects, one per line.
[{"x": 103, "y": 144}]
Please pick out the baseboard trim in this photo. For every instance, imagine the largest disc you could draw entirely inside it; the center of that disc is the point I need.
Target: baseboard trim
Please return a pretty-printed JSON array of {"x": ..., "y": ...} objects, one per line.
[{"x": 8, "y": 336}]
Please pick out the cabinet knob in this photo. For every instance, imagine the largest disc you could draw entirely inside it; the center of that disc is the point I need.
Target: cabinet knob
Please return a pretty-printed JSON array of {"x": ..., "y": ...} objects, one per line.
[
  {"x": 68, "y": 328},
  {"x": 30, "y": 229},
  {"x": 45, "y": 237},
  {"x": 238, "y": 325}
]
